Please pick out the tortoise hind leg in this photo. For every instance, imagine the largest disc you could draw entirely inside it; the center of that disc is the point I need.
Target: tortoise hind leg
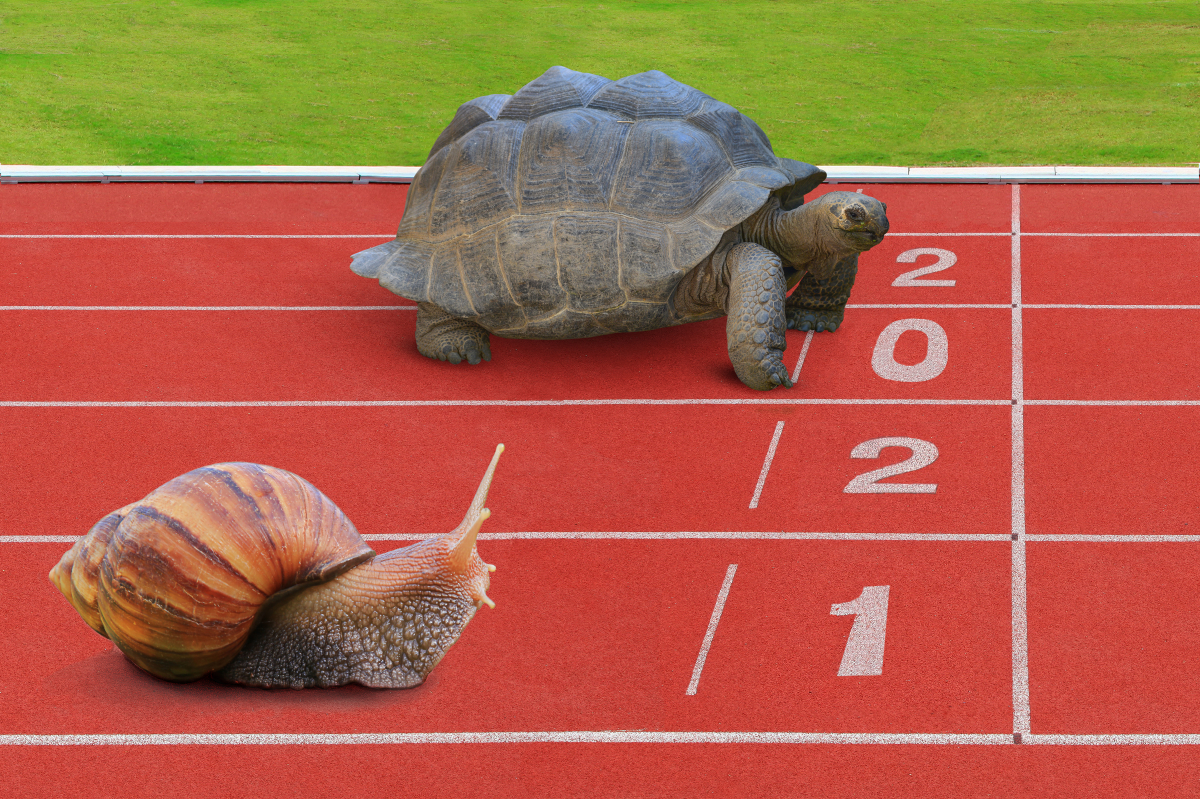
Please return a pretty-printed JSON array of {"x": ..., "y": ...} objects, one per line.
[
  {"x": 820, "y": 304},
  {"x": 450, "y": 338},
  {"x": 755, "y": 326}
]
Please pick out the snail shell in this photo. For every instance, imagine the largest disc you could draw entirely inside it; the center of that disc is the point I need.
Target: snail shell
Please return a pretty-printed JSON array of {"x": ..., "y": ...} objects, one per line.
[{"x": 251, "y": 572}]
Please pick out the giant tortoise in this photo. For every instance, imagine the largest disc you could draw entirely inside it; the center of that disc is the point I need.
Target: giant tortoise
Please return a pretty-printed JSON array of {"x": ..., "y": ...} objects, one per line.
[{"x": 581, "y": 206}]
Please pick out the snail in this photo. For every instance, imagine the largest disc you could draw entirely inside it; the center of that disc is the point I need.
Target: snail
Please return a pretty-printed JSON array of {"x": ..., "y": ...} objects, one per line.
[{"x": 252, "y": 574}]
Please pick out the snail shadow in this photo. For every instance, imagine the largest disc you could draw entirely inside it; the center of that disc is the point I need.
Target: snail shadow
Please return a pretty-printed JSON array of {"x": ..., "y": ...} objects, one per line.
[{"x": 109, "y": 681}]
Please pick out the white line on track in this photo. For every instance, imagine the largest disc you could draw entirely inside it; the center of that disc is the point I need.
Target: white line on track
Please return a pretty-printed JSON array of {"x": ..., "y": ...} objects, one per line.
[
  {"x": 1115, "y": 235},
  {"x": 1139, "y": 739},
  {"x": 592, "y": 737},
  {"x": 393, "y": 235},
  {"x": 1148, "y": 539},
  {"x": 762, "y": 476},
  {"x": 637, "y": 535},
  {"x": 208, "y": 307},
  {"x": 1020, "y": 633},
  {"x": 559, "y": 403},
  {"x": 932, "y": 305},
  {"x": 1119, "y": 307},
  {"x": 581, "y": 736},
  {"x": 799, "y": 363},
  {"x": 470, "y": 403},
  {"x": 197, "y": 236},
  {"x": 1118, "y": 403},
  {"x": 808, "y": 337},
  {"x": 712, "y": 629}
]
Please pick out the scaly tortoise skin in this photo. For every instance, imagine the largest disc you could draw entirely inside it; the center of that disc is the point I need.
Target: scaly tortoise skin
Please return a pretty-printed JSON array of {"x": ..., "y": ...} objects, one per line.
[{"x": 582, "y": 206}]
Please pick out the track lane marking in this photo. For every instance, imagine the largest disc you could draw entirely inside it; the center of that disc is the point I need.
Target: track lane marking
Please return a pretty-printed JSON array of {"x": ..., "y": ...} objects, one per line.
[
  {"x": 712, "y": 629},
  {"x": 803, "y": 354},
  {"x": 581, "y": 736},
  {"x": 208, "y": 307},
  {"x": 637, "y": 535},
  {"x": 766, "y": 467},
  {"x": 1020, "y": 632},
  {"x": 466, "y": 403},
  {"x": 593, "y": 736}
]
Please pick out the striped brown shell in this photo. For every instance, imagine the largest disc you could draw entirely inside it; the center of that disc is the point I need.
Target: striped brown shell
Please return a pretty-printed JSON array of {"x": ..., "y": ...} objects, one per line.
[{"x": 178, "y": 579}]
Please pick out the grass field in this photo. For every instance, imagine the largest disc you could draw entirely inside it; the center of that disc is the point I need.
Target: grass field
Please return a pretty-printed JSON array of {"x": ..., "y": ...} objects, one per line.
[{"x": 954, "y": 82}]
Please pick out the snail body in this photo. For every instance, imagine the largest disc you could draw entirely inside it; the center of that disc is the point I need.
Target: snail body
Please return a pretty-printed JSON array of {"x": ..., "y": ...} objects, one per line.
[{"x": 251, "y": 573}]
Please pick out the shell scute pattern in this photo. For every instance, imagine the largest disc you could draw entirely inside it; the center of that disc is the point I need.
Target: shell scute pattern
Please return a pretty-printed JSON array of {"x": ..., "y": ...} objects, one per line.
[
  {"x": 587, "y": 184},
  {"x": 478, "y": 184},
  {"x": 470, "y": 115},
  {"x": 569, "y": 162},
  {"x": 555, "y": 89},
  {"x": 667, "y": 167}
]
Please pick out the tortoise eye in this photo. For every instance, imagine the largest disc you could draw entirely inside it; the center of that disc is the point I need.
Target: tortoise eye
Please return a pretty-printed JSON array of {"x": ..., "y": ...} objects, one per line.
[{"x": 855, "y": 214}]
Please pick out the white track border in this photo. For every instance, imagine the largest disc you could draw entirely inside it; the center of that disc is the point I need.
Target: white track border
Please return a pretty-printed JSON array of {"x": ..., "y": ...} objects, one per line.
[{"x": 27, "y": 173}]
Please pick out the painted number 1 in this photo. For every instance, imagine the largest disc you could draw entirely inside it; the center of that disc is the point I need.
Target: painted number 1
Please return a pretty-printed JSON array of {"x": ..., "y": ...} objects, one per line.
[{"x": 864, "y": 649}]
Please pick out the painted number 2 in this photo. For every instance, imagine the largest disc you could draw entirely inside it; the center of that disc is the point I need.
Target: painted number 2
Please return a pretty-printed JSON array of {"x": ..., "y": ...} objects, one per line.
[
  {"x": 945, "y": 260},
  {"x": 923, "y": 454},
  {"x": 864, "y": 648}
]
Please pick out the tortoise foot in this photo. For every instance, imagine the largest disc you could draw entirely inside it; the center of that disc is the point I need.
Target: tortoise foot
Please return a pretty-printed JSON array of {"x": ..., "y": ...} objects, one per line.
[
  {"x": 449, "y": 338},
  {"x": 755, "y": 325},
  {"x": 806, "y": 319}
]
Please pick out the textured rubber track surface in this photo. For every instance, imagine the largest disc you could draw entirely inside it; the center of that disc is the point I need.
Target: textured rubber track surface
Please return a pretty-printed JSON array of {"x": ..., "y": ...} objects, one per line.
[{"x": 669, "y": 544}]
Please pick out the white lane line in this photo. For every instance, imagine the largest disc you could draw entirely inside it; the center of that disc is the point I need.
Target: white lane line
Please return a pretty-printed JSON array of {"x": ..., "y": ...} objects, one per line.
[
  {"x": 636, "y": 535},
  {"x": 208, "y": 307},
  {"x": 558, "y": 403},
  {"x": 393, "y": 235},
  {"x": 712, "y": 629},
  {"x": 1116, "y": 403},
  {"x": 1150, "y": 539},
  {"x": 796, "y": 372},
  {"x": 592, "y": 736},
  {"x": 568, "y": 736},
  {"x": 1137, "y": 739},
  {"x": 1115, "y": 235},
  {"x": 1120, "y": 307},
  {"x": 197, "y": 236},
  {"x": 799, "y": 363},
  {"x": 932, "y": 305},
  {"x": 1020, "y": 633},
  {"x": 766, "y": 467},
  {"x": 467, "y": 403},
  {"x": 803, "y": 354}
]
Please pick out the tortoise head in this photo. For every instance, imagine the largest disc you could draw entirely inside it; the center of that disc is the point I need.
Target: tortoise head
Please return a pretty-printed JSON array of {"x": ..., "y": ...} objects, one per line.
[{"x": 858, "y": 222}]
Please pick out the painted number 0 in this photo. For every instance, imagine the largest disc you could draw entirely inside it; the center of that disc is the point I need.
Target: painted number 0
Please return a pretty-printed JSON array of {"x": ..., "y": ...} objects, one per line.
[
  {"x": 945, "y": 260},
  {"x": 864, "y": 648},
  {"x": 923, "y": 454},
  {"x": 937, "y": 352}
]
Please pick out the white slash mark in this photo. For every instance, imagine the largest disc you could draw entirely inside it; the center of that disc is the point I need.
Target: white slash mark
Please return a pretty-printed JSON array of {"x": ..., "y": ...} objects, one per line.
[
  {"x": 712, "y": 628},
  {"x": 858, "y": 191},
  {"x": 762, "y": 476},
  {"x": 803, "y": 352},
  {"x": 864, "y": 649}
]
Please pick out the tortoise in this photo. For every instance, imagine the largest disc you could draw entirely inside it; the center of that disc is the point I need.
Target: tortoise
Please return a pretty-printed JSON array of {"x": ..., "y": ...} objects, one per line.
[{"x": 581, "y": 206}]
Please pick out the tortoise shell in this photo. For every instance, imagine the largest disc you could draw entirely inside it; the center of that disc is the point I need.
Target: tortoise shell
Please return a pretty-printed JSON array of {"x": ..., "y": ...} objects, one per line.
[{"x": 574, "y": 207}]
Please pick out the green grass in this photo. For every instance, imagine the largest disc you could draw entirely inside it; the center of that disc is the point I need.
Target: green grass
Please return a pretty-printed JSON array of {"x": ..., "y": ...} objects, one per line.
[{"x": 352, "y": 82}]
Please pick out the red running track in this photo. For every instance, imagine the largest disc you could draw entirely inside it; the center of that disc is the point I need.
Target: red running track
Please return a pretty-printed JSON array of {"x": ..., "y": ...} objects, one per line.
[{"x": 1039, "y": 569}]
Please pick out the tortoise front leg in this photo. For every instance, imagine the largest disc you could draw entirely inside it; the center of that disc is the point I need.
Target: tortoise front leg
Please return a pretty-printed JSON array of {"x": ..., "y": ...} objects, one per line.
[
  {"x": 450, "y": 338},
  {"x": 820, "y": 304},
  {"x": 755, "y": 325}
]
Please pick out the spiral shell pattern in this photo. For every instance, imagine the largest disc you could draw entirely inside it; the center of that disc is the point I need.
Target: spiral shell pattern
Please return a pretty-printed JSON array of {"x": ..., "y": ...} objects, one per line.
[{"x": 179, "y": 579}]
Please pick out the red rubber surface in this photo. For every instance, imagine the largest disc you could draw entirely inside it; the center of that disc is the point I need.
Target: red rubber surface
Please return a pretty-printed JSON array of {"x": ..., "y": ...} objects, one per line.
[{"x": 602, "y": 634}]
